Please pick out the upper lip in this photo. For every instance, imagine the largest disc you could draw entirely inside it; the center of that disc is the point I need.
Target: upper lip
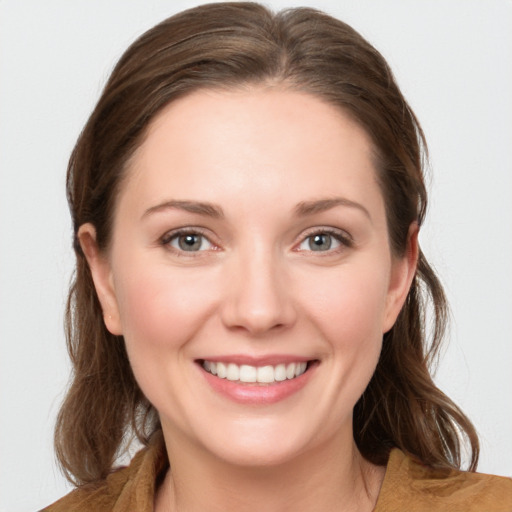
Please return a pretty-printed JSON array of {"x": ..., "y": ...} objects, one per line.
[{"x": 270, "y": 360}]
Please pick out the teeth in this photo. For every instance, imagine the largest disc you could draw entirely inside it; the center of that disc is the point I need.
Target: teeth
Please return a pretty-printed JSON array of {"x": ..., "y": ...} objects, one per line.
[
  {"x": 300, "y": 369},
  {"x": 222, "y": 371},
  {"x": 248, "y": 373},
  {"x": 262, "y": 374},
  {"x": 280, "y": 373},
  {"x": 265, "y": 374},
  {"x": 233, "y": 372}
]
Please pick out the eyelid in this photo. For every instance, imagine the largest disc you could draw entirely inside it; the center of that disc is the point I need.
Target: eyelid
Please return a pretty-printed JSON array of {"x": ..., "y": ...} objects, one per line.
[
  {"x": 165, "y": 239},
  {"x": 342, "y": 236}
]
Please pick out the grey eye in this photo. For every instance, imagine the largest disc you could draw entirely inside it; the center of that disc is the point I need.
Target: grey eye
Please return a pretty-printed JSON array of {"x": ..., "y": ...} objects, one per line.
[
  {"x": 190, "y": 242},
  {"x": 320, "y": 242}
]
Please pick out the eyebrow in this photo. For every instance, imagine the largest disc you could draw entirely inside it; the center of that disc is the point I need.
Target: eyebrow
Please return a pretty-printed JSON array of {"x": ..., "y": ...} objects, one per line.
[
  {"x": 305, "y": 208},
  {"x": 206, "y": 209}
]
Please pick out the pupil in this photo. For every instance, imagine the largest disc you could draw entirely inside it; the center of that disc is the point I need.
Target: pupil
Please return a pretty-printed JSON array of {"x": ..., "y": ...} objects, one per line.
[
  {"x": 190, "y": 242},
  {"x": 320, "y": 242}
]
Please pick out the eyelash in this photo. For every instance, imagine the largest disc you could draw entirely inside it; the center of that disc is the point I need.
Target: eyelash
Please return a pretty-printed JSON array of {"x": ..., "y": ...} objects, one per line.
[
  {"x": 344, "y": 239},
  {"x": 176, "y": 234}
]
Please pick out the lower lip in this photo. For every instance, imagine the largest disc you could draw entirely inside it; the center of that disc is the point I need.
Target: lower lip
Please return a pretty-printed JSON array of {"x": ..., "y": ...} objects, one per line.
[{"x": 259, "y": 394}]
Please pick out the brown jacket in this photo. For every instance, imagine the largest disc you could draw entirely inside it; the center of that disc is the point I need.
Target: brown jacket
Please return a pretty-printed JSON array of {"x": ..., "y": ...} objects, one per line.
[{"x": 407, "y": 487}]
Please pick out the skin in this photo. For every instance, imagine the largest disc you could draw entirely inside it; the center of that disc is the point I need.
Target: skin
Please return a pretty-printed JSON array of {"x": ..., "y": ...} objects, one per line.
[{"x": 255, "y": 287}]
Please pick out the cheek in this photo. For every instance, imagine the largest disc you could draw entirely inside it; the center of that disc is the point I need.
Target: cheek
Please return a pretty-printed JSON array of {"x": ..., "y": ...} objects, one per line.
[
  {"x": 161, "y": 309},
  {"x": 350, "y": 313},
  {"x": 350, "y": 305}
]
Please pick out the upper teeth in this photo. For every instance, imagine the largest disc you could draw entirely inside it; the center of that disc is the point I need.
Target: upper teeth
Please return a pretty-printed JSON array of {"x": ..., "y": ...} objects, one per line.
[{"x": 247, "y": 373}]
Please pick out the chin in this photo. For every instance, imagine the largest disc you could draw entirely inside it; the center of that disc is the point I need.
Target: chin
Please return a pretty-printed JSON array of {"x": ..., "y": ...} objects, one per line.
[
  {"x": 259, "y": 443},
  {"x": 255, "y": 456}
]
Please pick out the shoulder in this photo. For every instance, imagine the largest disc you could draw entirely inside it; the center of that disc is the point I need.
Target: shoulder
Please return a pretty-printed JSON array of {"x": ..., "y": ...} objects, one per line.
[
  {"x": 127, "y": 489},
  {"x": 101, "y": 496},
  {"x": 411, "y": 486}
]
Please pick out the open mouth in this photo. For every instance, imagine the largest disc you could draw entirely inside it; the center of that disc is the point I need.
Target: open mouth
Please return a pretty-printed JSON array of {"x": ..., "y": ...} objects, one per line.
[{"x": 244, "y": 373}]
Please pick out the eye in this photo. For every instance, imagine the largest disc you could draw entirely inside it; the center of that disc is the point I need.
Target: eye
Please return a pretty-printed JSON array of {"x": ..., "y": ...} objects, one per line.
[
  {"x": 187, "y": 241},
  {"x": 319, "y": 242},
  {"x": 324, "y": 241}
]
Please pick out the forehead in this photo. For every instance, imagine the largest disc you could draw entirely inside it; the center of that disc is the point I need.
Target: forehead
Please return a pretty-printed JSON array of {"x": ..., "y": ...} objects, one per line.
[{"x": 275, "y": 144}]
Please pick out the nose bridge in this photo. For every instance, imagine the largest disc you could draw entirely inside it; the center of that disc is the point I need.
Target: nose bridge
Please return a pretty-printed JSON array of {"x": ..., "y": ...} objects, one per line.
[{"x": 259, "y": 298}]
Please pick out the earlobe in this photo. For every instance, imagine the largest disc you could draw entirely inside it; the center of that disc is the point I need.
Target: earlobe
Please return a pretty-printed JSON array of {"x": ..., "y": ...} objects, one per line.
[
  {"x": 402, "y": 274},
  {"x": 102, "y": 277}
]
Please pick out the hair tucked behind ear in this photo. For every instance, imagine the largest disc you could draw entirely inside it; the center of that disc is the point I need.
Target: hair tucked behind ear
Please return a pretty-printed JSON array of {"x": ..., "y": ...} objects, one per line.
[{"x": 233, "y": 45}]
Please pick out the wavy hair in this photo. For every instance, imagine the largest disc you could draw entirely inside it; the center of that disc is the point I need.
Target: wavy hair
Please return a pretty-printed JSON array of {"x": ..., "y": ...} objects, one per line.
[{"x": 232, "y": 45}]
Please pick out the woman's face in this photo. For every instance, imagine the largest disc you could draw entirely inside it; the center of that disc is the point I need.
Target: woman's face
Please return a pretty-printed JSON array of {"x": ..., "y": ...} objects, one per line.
[{"x": 250, "y": 240}]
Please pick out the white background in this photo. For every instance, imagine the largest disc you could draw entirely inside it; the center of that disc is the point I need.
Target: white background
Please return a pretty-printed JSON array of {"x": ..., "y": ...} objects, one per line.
[{"x": 453, "y": 60}]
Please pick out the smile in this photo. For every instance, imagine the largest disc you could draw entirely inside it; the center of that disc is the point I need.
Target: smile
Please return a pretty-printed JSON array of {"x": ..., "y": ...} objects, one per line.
[{"x": 255, "y": 374}]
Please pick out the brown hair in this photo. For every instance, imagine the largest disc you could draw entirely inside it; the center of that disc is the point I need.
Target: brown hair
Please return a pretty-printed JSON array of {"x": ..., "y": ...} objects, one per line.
[{"x": 230, "y": 45}]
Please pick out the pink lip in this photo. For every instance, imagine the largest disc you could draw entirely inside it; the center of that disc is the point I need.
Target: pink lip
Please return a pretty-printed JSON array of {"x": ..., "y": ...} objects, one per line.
[
  {"x": 272, "y": 359},
  {"x": 258, "y": 394}
]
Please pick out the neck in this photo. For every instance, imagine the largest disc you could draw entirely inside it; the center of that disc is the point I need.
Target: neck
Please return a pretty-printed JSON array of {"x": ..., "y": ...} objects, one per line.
[{"x": 333, "y": 477}]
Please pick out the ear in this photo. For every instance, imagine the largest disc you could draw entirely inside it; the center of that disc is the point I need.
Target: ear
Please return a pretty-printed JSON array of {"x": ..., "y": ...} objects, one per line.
[
  {"x": 102, "y": 277},
  {"x": 403, "y": 271}
]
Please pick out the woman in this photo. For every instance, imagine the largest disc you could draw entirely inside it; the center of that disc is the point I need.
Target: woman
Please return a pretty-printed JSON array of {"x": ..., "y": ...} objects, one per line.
[{"x": 250, "y": 293}]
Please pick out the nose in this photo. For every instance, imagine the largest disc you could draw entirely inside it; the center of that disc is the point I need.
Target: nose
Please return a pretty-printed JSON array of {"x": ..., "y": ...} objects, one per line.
[{"x": 258, "y": 298}]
